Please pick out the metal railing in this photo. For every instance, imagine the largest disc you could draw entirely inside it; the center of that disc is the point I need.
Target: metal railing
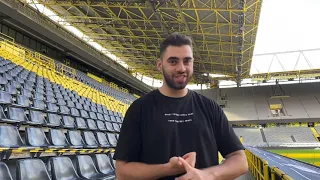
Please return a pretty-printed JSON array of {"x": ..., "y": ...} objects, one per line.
[{"x": 261, "y": 170}]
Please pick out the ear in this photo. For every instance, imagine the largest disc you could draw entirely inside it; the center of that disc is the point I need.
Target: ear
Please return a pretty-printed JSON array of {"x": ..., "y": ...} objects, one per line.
[{"x": 159, "y": 65}]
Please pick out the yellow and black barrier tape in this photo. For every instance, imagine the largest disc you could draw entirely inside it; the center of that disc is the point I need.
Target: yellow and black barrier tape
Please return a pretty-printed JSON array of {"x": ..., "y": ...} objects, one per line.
[{"x": 53, "y": 150}]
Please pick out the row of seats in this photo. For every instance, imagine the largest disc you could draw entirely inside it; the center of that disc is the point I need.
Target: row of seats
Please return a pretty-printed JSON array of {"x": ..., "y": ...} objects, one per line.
[
  {"x": 32, "y": 86},
  {"x": 96, "y": 166},
  {"x": 35, "y": 117},
  {"x": 35, "y": 137},
  {"x": 121, "y": 96},
  {"x": 40, "y": 75},
  {"x": 56, "y": 112}
]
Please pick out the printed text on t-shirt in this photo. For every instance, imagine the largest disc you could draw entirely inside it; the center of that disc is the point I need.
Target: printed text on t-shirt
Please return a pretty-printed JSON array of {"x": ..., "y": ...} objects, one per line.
[{"x": 188, "y": 117}]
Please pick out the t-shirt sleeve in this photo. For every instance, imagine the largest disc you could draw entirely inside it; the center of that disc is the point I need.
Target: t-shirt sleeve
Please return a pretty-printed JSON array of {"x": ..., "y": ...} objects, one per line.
[
  {"x": 226, "y": 138},
  {"x": 129, "y": 142}
]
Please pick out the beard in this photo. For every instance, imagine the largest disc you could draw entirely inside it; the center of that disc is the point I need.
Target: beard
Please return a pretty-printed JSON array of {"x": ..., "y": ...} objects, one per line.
[{"x": 175, "y": 85}]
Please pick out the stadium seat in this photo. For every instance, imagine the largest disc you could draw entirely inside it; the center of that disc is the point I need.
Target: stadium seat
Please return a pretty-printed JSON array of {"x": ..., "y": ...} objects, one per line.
[
  {"x": 116, "y": 127},
  {"x": 58, "y": 139},
  {"x": 102, "y": 139},
  {"x": 22, "y": 101},
  {"x": 38, "y": 105},
  {"x": 104, "y": 164},
  {"x": 75, "y": 112},
  {"x": 84, "y": 114},
  {"x": 13, "y": 115},
  {"x": 90, "y": 139},
  {"x": 68, "y": 122},
  {"x": 92, "y": 124},
  {"x": 109, "y": 127},
  {"x": 113, "y": 161},
  {"x": 32, "y": 169},
  {"x": 112, "y": 139},
  {"x": 80, "y": 123},
  {"x": 36, "y": 118},
  {"x": 64, "y": 110},
  {"x": 54, "y": 120},
  {"x": 11, "y": 89},
  {"x": 36, "y": 137},
  {"x": 75, "y": 139},
  {"x": 4, "y": 172},
  {"x": 101, "y": 125},
  {"x": 10, "y": 137},
  {"x": 62, "y": 168},
  {"x": 51, "y": 107},
  {"x": 88, "y": 170}
]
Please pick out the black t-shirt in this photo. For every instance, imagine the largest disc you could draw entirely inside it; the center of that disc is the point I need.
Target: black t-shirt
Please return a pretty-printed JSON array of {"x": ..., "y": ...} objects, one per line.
[{"x": 157, "y": 127}]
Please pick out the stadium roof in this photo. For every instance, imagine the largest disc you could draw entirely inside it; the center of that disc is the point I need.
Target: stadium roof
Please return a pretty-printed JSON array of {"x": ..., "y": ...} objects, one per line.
[
  {"x": 287, "y": 43},
  {"x": 130, "y": 31}
]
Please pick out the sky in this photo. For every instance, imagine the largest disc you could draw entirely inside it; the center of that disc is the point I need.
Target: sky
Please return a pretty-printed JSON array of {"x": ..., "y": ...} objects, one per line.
[
  {"x": 284, "y": 25},
  {"x": 287, "y": 25}
]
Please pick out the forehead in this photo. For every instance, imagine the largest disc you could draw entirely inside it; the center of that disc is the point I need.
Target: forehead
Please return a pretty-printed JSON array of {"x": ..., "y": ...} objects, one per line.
[{"x": 178, "y": 51}]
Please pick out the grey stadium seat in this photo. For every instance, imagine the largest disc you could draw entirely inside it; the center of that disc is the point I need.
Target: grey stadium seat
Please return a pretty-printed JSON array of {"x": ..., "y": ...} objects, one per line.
[
  {"x": 88, "y": 170},
  {"x": 4, "y": 172},
  {"x": 32, "y": 169},
  {"x": 62, "y": 168},
  {"x": 103, "y": 164}
]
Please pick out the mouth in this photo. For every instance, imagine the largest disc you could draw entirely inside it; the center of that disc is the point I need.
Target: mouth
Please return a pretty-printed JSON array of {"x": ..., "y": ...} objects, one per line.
[{"x": 181, "y": 78}]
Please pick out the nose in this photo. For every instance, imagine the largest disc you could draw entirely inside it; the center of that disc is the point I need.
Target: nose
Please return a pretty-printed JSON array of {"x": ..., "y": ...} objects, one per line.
[{"x": 180, "y": 67}]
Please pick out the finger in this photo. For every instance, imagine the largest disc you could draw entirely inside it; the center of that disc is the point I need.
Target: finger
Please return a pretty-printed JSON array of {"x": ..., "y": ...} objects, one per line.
[
  {"x": 176, "y": 161},
  {"x": 185, "y": 164},
  {"x": 187, "y": 176},
  {"x": 189, "y": 154},
  {"x": 186, "y": 156}
]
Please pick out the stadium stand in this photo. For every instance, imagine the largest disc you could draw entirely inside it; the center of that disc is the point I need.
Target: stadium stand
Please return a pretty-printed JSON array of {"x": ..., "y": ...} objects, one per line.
[
  {"x": 43, "y": 111},
  {"x": 289, "y": 134},
  {"x": 297, "y": 101},
  {"x": 251, "y": 136}
]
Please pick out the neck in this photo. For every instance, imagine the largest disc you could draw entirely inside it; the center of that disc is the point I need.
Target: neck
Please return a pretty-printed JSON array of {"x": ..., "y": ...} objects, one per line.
[{"x": 165, "y": 90}]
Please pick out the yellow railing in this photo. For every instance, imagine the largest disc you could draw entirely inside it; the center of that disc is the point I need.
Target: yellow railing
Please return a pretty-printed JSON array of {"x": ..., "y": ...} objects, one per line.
[
  {"x": 9, "y": 38},
  {"x": 261, "y": 170},
  {"x": 11, "y": 49},
  {"x": 258, "y": 166},
  {"x": 65, "y": 70},
  {"x": 276, "y": 173}
]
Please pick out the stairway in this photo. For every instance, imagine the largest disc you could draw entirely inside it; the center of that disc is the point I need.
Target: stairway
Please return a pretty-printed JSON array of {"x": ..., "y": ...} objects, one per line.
[
  {"x": 315, "y": 133},
  {"x": 263, "y": 136}
]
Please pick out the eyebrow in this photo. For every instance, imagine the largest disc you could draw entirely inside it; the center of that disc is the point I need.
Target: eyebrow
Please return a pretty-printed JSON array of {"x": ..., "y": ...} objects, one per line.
[
  {"x": 176, "y": 58},
  {"x": 173, "y": 58}
]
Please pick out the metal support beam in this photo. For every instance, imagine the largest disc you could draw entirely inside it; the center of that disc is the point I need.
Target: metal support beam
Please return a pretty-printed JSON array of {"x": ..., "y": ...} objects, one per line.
[
  {"x": 156, "y": 13},
  {"x": 190, "y": 34},
  {"x": 29, "y": 17}
]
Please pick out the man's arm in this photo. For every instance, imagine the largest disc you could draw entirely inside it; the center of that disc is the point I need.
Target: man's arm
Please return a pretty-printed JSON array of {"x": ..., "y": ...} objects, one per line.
[
  {"x": 234, "y": 166},
  {"x": 137, "y": 170}
]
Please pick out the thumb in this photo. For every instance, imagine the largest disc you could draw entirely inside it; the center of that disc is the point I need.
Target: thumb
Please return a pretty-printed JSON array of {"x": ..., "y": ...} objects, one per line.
[{"x": 185, "y": 164}]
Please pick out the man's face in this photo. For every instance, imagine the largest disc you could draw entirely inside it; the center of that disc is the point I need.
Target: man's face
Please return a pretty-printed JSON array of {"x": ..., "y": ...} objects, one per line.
[{"x": 176, "y": 66}]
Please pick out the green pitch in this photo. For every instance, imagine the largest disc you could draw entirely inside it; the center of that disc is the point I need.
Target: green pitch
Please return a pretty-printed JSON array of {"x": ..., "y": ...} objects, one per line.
[{"x": 311, "y": 156}]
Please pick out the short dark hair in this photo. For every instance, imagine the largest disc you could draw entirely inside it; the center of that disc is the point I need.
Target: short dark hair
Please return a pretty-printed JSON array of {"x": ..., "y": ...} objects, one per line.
[{"x": 175, "y": 39}]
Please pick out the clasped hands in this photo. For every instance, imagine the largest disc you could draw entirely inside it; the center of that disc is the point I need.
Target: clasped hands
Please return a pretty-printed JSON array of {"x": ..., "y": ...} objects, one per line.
[{"x": 186, "y": 164}]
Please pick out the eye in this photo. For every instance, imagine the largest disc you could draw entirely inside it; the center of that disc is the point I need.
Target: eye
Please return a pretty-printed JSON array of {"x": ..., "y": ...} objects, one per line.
[
  {"x": 186, "y": 61},
  {"x": 173, "y": 61}
]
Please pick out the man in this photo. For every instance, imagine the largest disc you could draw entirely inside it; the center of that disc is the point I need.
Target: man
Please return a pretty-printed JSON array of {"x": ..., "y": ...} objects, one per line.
[{"x": 173, "y": 132}]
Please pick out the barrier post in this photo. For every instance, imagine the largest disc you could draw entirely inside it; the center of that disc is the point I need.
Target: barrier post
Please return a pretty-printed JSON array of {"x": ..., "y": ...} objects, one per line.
[{"x": 265, "y": 170}]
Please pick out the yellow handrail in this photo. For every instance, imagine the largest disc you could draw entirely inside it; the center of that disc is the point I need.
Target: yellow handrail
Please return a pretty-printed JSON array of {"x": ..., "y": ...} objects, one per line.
[
  {"x": 261, "y": 170},
  {"x": 9, "y": 37},
  {"x": 258, "y": 166},
  {"x": 277, "y": 172}
]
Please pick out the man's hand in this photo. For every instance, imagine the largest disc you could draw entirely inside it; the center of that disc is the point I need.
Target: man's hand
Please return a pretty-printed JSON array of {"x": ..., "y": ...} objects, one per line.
[
  {"x": 177, "y": 167},
  {"x": 193, "y": 173}
]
